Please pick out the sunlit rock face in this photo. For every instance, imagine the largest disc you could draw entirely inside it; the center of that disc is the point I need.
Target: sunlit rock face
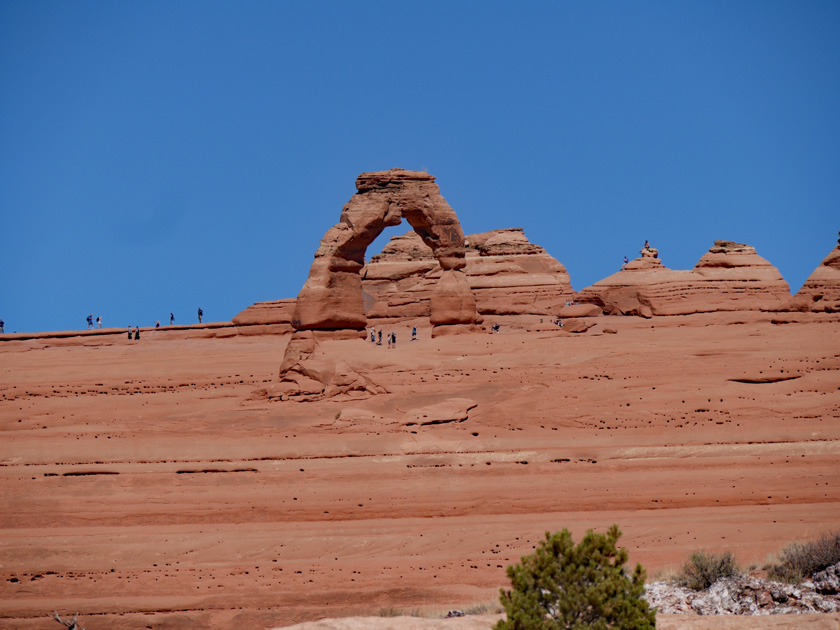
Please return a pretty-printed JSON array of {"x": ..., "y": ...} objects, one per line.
[
  {"x": 821, "y": 291},
  {"x": 505, "y": 272},
  {"x": 729, "y": 277},
  {"x": 331, "y": 298}
]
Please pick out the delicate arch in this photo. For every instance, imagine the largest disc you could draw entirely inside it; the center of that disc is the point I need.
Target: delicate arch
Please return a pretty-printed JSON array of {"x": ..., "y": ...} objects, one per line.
[{"x": 331, "y": 298}]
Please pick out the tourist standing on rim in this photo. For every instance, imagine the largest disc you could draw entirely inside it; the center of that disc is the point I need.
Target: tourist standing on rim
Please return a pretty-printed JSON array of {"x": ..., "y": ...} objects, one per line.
[{"x": 200, "y": 313}]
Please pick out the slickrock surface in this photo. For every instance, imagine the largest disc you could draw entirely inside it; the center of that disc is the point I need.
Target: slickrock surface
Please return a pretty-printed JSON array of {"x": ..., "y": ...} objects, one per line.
[
  {"x": 150, "y": 484},
  {"x": 507, "y": 273},
  {"x": 473, "y": 622},
  {"x": 821, "y": 291},
  {"x": 729, "y": 277}
]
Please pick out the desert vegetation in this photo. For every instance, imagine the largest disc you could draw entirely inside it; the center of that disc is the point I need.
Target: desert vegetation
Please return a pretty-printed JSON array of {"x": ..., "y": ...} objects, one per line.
[
  {"x": 800, "y": 560},
  {"x": 703, "y": 569},
  {"x": 576, "y": 587}
]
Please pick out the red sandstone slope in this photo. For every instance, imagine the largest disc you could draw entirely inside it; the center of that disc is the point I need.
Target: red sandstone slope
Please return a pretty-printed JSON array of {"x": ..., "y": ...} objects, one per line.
[{"x": 145, "y": 484}]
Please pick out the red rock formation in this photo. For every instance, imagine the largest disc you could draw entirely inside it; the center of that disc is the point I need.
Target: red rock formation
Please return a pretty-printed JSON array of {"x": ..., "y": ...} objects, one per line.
[
  {"x": 307, "y": 374},
  {"x": 266, "y": 317},
  {"x": 736, "y": 278},
  {"x": 821, "y": 291},
  {"x": 331, "y": 298},
  {"x": 730, "y": 277},
  {"x": 576, "y": 310},
  {"x": 506, "y": 273},
  {"x": 633, "y": 290},
  {"x": 510, "y": 275},
  {"x": 399, "y": 281}
]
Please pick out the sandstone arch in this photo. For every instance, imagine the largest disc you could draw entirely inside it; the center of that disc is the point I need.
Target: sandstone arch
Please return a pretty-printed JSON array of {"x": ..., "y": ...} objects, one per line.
[{"x": 331, "y": 298}]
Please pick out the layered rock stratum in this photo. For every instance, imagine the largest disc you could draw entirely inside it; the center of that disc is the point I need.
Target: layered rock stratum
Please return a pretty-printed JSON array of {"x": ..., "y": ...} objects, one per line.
[
  {"x": 821, "y": 291},
  {"x": 506, "y": 273},
  {"x": 729, "y": 277},
  {"x": 153, "y": 483}
]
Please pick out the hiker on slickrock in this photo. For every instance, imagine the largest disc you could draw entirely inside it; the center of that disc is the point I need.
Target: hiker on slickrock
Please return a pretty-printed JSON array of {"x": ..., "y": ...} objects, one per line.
[{"x": 200, "y": 314}]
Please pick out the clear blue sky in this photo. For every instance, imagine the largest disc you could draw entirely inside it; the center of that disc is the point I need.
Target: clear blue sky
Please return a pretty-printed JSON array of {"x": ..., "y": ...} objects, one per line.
[{"x": 160, "y": 156}]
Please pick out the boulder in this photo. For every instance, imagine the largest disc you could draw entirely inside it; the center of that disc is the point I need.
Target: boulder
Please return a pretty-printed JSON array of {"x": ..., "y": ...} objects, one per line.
[
  {"x": 578, "y": 325},
  {"x": 576, "y": 310},
  {"x": 307, "y": 374},
  {"x": 827, "y": 582}
]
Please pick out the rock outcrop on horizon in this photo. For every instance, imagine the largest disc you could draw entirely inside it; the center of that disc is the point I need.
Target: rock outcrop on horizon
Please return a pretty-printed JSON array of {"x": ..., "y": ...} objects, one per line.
[
  {"x": 821, "y": 291},
  {"x": 729, "y": 277},
  {"x": 507, "y": 274},
  {"x": 269, "y": 316},
  {"x": 331, "y": 298}
]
